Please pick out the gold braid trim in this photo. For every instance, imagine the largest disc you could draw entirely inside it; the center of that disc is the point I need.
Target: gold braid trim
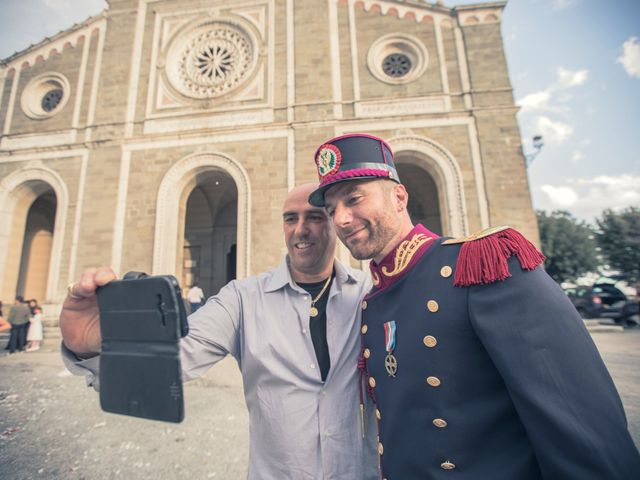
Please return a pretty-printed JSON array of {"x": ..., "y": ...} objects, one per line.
[{"x": 405, "y": 252}]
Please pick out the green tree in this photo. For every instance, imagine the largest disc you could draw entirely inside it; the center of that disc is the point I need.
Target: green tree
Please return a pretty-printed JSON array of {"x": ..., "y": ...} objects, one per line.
[
  {"x": 619, "y": 239},
  {"x": 569, "y": 245}
]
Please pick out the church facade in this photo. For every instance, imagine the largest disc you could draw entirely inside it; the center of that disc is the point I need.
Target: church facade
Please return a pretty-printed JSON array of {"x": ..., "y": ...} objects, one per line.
[{"x": 163, "y": 135}]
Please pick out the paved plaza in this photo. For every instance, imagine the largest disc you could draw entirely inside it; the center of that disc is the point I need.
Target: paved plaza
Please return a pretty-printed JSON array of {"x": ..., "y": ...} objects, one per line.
[{"x": 51, "y": 425}]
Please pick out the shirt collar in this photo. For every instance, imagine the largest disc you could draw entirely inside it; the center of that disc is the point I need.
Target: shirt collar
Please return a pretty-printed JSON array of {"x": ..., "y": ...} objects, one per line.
[
  {"x": 402, "y": 258},
  {"x": 282, "y": 276}
]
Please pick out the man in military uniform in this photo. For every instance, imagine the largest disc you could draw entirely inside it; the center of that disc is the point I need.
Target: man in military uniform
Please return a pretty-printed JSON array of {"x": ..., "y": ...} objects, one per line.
[{"x": 479, "y": 366}]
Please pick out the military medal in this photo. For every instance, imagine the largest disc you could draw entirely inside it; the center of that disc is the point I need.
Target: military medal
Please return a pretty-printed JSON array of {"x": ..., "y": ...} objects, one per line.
[
  {"x": 390, "y": 362},
  {"x": 314, "y": 311}
]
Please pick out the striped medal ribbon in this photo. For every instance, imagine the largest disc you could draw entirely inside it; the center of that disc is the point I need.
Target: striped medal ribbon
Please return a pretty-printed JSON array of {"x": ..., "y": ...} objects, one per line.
[{"x": 390, "y": 362}]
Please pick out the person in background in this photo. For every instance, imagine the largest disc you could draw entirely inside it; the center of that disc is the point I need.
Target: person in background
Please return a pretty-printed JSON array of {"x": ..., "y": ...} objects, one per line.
[
  {"x": 19, "y": 317},
  {"x": 33, "y": 303},
  {"x": 195, "y": 297},
  {"x": 4, "y": 325},
  {"x": 34, "y": 336}
]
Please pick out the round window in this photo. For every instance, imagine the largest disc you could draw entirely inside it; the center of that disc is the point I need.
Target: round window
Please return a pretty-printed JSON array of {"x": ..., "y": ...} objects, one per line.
[
  {"x": 52, "y": 99},
  {"x": 210, "y": 60},
  {"x": 397, "y": 58},
  {"x": 396, "y": 65},
  {"x": 45, "y": 95}
]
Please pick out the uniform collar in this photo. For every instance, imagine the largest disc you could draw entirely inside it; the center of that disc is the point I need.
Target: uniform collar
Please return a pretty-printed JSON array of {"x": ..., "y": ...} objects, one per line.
[
  {"x": 402, "y": 258},
  {"x": 282, "y": 276}
]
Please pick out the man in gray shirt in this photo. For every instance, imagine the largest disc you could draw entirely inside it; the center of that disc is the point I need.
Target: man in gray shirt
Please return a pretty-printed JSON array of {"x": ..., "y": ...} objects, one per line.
[
  {"x": 294, "y": 331},
  {"x": 19, "y": 318}
]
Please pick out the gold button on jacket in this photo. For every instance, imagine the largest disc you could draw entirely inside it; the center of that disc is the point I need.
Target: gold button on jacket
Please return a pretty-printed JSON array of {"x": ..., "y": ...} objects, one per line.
[
  {"x": 439, "y": 422},
  {"x": 430, "y": 341},
  {"x": 432, "y": 306},
  {"x": 447, "y": 465},
  {"x": 433, "y": 381},
  {"x": 446, "y": 271}
]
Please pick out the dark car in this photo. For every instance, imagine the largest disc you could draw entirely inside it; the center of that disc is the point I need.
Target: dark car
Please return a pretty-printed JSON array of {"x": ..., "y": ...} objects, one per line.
[{"x": 602, "y": 300}]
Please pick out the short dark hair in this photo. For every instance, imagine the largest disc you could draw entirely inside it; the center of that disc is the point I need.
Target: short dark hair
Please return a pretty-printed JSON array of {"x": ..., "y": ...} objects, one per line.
[{"x": 20, "y": 298}]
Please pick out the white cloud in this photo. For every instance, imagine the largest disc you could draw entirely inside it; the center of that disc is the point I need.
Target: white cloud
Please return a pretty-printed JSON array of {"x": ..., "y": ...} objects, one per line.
[
  {"x": 586, "y": 198},
  {"x": 553, "y": 132},
  {"x": 630, "y": 58},
  {"x": 563, "y": 197},
  {"x": 562, "y": 4},
  {"x": 555, "y": 97},
  {"x": 568, "y": 78},
  {"x": 536, "y": 101},
  {"x": 576, "y": 156}
]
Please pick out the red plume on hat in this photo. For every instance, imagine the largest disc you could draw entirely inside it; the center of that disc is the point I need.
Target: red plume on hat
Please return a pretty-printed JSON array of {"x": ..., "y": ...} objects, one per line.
[{"x": 352, "y": 157}]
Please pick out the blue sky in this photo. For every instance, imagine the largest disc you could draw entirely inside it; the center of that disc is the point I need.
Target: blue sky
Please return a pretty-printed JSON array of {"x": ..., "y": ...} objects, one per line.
[{"x": 575, "y": 69}]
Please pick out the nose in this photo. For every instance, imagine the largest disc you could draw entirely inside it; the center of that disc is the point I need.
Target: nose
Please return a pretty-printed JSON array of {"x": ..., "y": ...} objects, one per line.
[
  {"x": 341, "y": 216},
  {"x": 302, "y": 228}
]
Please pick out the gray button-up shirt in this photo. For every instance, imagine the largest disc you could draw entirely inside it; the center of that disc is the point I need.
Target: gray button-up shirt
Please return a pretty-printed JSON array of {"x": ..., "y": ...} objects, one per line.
[{"x": 300, "y": 427}]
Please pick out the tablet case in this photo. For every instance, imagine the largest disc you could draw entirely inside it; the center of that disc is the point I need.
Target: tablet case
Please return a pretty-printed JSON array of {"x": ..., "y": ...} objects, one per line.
[{"x": 141, "y": 320}]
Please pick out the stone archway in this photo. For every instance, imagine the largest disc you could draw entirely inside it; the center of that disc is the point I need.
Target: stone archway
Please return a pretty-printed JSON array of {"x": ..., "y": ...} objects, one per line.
[
  {"x": 441, "y": 179},
  {"x": 424, "y": 201},
  {"x": 196, "y": 175},
  {"x": 33, "y": 209},
  {"x": 210, "y": 232}
]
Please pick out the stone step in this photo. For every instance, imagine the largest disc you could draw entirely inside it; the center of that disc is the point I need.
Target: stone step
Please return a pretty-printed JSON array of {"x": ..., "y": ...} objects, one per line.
[{"x": 596, "y": 325}]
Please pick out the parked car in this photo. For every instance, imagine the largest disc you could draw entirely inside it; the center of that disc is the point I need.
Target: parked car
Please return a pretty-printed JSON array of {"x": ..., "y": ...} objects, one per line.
[{"x": 602, "y": 300}]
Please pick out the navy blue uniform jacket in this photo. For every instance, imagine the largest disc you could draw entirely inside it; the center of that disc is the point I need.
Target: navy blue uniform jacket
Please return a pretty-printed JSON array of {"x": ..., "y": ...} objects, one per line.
[{"x": 495, "y": 381}]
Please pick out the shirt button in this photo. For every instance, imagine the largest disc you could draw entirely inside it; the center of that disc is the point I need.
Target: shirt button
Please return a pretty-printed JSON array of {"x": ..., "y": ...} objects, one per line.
[
  {"x": 433, "y": 381},
  {"x": 430, "y": 341},
  {"x": 304, "y": 330},
  {"x": 312, "y": 366},
  {"x": 447, "y": 465}
]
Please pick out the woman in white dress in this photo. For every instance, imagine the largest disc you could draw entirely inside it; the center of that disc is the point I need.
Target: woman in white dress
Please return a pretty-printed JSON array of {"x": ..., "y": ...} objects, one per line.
[{"x": 34, "y": 337}]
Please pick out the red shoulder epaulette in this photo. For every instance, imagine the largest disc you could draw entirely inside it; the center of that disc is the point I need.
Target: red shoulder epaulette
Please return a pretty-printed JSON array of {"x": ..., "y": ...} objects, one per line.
[{"x": 483, "y": 256}]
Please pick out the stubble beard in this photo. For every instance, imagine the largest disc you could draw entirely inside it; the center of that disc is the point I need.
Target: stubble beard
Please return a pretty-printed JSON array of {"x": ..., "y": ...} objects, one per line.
[{"x": 378, "y": 238}]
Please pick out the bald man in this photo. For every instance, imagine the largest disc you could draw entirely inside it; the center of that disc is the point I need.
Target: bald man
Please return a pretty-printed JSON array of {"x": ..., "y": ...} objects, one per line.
[{"x": 294, "y": 331}]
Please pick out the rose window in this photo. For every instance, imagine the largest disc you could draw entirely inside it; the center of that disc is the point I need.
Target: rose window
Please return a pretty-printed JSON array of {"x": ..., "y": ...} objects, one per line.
[
  {"x": 396, "y": 65},
  {"x": 214, "y": 59},
  {"x": 51, "y": 99}
]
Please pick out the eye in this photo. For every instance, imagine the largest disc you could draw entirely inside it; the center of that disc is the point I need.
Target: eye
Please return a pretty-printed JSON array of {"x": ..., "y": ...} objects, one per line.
[{"x": 353, "y": 199}]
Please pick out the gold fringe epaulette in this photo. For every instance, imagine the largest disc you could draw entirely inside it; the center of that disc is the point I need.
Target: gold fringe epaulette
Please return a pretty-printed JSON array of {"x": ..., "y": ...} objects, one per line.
[
  {"x": 483, "y": 256},
  {"x": 475, "y": 236}
]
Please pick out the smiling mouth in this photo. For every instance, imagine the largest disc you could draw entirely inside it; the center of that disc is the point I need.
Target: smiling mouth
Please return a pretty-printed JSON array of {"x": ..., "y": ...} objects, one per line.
[
  {"x": 303, "y": 245},
  {"x": 350, "y": 235}
]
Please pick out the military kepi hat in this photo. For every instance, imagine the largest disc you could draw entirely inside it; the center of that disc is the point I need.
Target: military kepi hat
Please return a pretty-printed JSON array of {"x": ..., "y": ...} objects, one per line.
[{"x": 352, "y": 157}]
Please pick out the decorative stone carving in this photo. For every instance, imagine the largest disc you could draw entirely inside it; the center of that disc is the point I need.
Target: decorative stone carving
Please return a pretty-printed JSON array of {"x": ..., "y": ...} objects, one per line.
[{"x": 210, "y": 60}]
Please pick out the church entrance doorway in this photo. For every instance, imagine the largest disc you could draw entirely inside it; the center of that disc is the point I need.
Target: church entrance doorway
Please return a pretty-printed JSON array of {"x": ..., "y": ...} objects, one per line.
[
  {"x": 424, "y": 197},
  {"x": 210, "y": 232}
]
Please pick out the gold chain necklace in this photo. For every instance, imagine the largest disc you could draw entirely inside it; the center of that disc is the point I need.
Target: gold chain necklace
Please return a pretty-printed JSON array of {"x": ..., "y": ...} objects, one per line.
[{"x": 314, "y": 311}]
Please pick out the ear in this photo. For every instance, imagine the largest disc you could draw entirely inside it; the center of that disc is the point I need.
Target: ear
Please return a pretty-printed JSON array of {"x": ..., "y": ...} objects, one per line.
[{"x": 401, "y": 197}]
